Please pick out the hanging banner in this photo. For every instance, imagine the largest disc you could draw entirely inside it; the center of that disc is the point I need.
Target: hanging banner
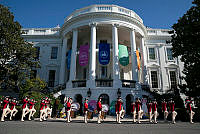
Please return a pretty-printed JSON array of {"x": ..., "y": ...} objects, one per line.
[
  {"x": 69, "y": 58},
  {"x": 83, "y": 55},
  {"x": 104, "y": 53},
  {"x": 123, "y": 55},
  {"x": 138, "y": 59}
]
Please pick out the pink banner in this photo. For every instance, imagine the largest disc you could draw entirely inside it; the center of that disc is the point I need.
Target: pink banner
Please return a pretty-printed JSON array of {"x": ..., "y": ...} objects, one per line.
[{"x": 83, "y": 55}]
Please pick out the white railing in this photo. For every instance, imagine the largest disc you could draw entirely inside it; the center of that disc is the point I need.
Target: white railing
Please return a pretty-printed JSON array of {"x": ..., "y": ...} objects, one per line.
[
  {"x": 104, "y": 8},
  {"x": 158, "y": 32},
  {"x": 40, "y": 31}
]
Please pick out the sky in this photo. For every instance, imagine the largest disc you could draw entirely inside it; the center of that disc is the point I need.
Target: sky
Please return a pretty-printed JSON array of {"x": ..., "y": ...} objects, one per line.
[{"x": 50, "y": 13}]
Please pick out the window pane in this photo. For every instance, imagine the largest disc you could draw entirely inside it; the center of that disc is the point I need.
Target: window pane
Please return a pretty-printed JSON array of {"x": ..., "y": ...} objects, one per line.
[
  {"x": 154, "y": 79},
  {"x": 54, "y": 51},
  {"x": 169, "y": 54},
  {"x": 37, "y": 53},
  {"x": 152, "y": 55},
  {"x": 52, "y": 74},
  {"x": 173, "y": 78}
]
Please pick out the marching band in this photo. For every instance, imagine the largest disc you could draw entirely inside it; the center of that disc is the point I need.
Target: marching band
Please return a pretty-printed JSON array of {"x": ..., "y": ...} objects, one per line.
[{"x": 28, "y": 107}]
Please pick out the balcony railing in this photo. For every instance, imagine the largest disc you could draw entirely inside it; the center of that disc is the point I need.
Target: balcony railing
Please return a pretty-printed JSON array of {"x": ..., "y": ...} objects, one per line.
[
  {"x": 128, "y": 83},
  {"x": 78, "y": 83},
  {"x": 104, "y": 82}
]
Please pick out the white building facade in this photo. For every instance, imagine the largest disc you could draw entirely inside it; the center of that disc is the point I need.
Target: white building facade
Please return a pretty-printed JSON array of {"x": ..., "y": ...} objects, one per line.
[{"x": 63, "y": 61}]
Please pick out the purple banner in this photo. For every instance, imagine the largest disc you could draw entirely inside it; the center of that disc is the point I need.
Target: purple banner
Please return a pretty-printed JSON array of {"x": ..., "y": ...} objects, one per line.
[{"x": 83, "y": 55}]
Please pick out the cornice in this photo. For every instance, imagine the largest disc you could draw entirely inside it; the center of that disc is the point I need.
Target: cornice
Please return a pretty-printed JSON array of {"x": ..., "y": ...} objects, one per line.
[{"x": 105, "y": 15}]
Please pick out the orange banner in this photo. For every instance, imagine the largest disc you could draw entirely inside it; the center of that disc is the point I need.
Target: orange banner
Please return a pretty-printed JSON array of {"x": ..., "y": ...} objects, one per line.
[{"x": 138, "y": 59}]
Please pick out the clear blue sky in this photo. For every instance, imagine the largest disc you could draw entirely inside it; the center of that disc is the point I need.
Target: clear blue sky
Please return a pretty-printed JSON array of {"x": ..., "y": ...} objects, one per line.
[{"x": 49, "y": 13}]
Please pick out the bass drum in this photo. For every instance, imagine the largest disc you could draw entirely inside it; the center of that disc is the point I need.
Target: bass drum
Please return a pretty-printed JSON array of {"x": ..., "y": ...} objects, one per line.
[
  {"x": 75, "y": 106},
  {"x": 105, "y": 108}
]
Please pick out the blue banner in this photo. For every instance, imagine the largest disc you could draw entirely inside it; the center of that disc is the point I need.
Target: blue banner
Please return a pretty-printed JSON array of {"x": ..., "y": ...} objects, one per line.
[
  {"x": 69, "y": 58},
  {"x": 104, "y": 53}
]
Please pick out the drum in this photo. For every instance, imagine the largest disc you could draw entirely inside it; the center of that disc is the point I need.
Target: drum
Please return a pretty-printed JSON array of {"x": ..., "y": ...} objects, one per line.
[
  {"x": 105, "y": 108},
  {"x": 75, "y": 106},
  {"x": 90, "y": 115}
]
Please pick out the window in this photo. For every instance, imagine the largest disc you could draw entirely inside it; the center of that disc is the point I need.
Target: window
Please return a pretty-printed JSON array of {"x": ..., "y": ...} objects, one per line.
[
  {"x": 84, "y": 73},
  {"x": 37, "y": 53},
  {"x": 152, "y": 55},
  {"x": 154, "y": 79},
  {"x": 173, "y": 78},
  {"x": 33, "y": 74},
  {"x": 52, "y": 74},
  {"x": 103, "y": 72},
  {"x": 54, "y": 52},
  {"x": 169, "y": 54}
]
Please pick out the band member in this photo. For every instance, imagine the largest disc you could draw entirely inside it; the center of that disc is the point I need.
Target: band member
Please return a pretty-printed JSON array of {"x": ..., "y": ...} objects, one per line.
[
  {"x": 32, "y": 110},
  {"x": 25, "y": 109},
  {"x": 42, "y": 110},
  {"x": 149, "y": 107},
  {"x": 164, "y": 109},
  {"x": 13, "y": 108},
  {"x": 133, "y": 110},
  {"x": 154, "y": 110},
  {"x": 47, "y": 106},
  {"x": 99, "y": 110},
  {"x": 85, "y": 110},
  {"x": 189, "y": 109},
  {"x": 68, "y": 109},
  {"x": 172, "y": 110},
  {"x": 6, "y": 108},
  {"x": 118, "y": 109},
  {"x": 138, "y": 109}
]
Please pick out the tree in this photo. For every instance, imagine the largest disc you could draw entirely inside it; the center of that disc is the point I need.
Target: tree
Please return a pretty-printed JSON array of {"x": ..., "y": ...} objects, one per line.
[
  {"x": 16, "y": 55},
  {"x": 186, "y": 44}
]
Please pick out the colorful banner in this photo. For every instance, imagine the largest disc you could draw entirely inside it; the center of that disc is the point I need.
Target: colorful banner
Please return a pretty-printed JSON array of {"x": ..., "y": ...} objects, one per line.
[
  {"x": 83, "y": 55},
  {"x": 123, "y": 55},
  {"x": 69, "y": 58},
  {"x": 104, "y": 53},
  {"x": 138, "y": 59}
]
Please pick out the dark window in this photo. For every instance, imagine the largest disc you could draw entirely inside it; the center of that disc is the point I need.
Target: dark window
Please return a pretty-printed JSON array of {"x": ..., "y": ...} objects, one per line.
[
  {"x": 103, "y": 41},
  {"x": 169, "y": 54},
  {"x": 173, "y": 78},
  {"x": 103, "y": 72},
  {"x": 37, "y": 53},
  {"x": 84, "y": 73},
  {"x": 54, "y": 52},
  {"x": 154, "y": 79},
  {"x": 52, "y": 74},
  {"x": 152, "y": 55}
]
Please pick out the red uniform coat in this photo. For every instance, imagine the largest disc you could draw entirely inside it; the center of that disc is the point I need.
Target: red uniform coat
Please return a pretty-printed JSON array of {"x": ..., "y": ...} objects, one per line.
[
  {"x": 42, "y": 104},
  {"x": 149, "y": 107},
  {"x": 171, "y": 107},
  {"x": 118, "y": 106},
  {"x": 68, "y": 106},
  {"x": 132, "y": 108},
  {"x": 99, "y": 106},
  {"x": 31, "y": 104},
  {"x": 5, "y": 103},
  {"x": 85, "y": 106},
  {"x": 164, "y": 106},
  {"x": 188, "y": 106},
  {"x": 154, "y": 107},
  {"x": 12, "y": 105},
  {"x": 137, "y": 106},
  {"x": 24, "y": 103}
]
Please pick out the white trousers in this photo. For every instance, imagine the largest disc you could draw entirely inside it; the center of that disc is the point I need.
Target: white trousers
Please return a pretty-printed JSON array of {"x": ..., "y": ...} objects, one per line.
[{"x": 13, "y": 113}]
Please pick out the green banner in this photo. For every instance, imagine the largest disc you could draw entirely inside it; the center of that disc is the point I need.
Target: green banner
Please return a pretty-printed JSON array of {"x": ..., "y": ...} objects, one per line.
[{"x": 123, "y": 55}]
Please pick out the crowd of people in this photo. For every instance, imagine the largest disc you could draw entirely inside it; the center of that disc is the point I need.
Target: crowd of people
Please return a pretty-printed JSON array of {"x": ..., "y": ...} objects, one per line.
[{"x": 8, "y": 105}]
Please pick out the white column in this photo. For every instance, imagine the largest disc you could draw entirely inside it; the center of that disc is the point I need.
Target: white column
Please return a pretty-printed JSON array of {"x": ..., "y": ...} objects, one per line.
[
  {"x": 63, "y": 61},
  {"x": 116, "y": 70},
  {"x": 144, "y": 58},
  {"x": 73, "y": 56},
  {"x": 133, "y": 56},
  {"x": 92, "y": 68}
]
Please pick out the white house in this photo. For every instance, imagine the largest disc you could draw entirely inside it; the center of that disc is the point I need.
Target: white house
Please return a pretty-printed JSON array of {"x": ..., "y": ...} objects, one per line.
[{"x": 105, "y": 50}]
